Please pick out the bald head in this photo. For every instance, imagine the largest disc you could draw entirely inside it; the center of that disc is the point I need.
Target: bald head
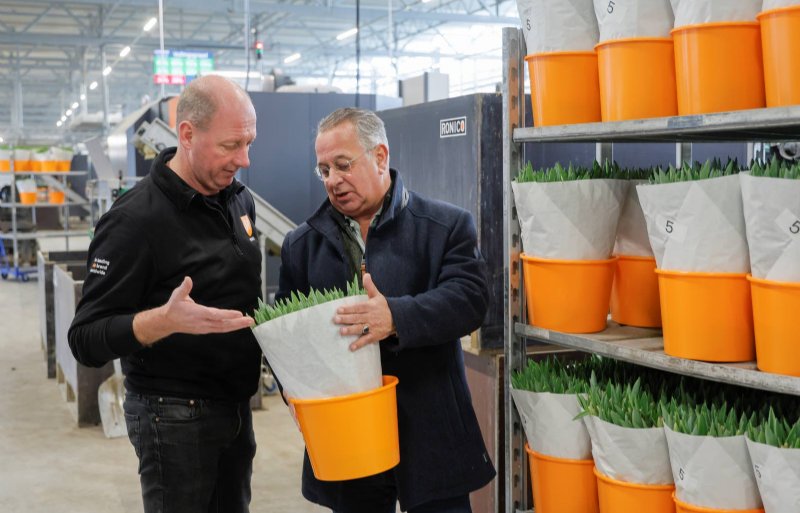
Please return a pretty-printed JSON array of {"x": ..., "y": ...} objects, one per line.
[{"x": 206, "y": 95}]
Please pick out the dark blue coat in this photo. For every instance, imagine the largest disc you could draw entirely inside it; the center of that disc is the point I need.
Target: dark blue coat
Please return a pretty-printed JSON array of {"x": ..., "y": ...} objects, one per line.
[{"x": 423, "y": 257}]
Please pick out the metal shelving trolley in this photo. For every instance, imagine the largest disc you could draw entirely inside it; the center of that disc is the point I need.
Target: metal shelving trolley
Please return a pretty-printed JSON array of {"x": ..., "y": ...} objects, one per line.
[
  {"x": 635, "y": 345},
  {"x": 11, "y": 265}
]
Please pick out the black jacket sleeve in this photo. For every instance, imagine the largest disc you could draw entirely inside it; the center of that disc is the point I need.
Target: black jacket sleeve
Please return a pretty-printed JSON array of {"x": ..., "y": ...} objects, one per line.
[
  {"x": 457, "y": 304},
  {"x": 121, "y": 268}
]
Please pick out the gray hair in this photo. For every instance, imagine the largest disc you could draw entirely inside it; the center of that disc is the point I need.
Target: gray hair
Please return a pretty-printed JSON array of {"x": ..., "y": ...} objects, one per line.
[
  {"x": 200, "y": 99},
  {"x": 369, "y": 127}
]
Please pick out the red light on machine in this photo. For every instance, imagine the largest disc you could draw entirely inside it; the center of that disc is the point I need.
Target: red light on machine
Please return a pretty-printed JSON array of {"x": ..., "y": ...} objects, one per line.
[{"x": 259, "y": 47}]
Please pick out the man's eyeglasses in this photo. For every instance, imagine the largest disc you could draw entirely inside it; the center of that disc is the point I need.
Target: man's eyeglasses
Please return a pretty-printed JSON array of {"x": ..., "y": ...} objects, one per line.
[{"x": 342, "y": 165}]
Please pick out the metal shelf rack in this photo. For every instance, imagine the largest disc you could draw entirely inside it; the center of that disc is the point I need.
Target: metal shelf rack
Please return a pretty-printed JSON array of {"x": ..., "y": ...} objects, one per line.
[
  {"x": 10, "y": 266},
  {"x": 635, "y": 345}
]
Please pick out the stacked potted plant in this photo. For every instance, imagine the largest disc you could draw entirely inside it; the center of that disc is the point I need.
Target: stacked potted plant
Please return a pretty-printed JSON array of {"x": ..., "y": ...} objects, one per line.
[
  {"x": 718, "y": 63},
  {"x": 568, "y": 221},
  {"x": 774, "y": 447},
  {"x": 634, "y": 294},
  {"x": 330, "y": 387},
  {"x": 629, "y": 447},
  {"x": 559, "y": 448},
  {"x": 696, "y": 227},
  {"x": 771, "y": 197},
  {"x": 709, "y": 458}
]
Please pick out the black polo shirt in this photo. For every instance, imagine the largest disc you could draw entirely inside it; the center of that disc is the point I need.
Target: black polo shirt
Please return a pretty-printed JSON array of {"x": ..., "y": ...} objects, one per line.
[{"x": 153, "y": 236}]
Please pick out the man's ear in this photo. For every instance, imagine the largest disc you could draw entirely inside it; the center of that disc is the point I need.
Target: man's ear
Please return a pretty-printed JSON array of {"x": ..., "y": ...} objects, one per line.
[
  {"x": 185, "y": 134},
  {"x": 382, "y": 157}
]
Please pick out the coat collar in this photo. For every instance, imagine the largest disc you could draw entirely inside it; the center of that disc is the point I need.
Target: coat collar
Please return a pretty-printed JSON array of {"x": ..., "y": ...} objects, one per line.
[
  {"x": 173, "y": 186},
  {"x": 323, "y": 219}
]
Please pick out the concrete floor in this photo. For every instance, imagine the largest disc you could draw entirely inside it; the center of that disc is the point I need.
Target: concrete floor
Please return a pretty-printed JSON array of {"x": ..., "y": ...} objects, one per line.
[{"x": 48, "y": 464}]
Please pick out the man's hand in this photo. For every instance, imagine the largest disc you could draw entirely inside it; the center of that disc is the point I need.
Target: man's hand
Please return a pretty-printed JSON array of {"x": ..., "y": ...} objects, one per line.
[
  {"x": 371, "y": 320},
  {"x": 182, "y": 315}
]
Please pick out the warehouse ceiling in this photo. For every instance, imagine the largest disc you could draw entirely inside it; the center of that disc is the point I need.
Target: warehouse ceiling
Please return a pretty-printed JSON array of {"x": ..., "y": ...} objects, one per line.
[{"x": 51, "y": 52}]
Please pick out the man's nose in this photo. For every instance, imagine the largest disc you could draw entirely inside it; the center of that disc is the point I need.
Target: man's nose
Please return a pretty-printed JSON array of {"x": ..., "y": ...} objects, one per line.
[{"x": 242, "y": 157}]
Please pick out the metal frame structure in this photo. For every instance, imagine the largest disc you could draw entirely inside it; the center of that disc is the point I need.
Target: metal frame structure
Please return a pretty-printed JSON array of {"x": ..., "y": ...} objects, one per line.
[
  {"x": 50, "y": 51},
  {"x": 635, "y": 345}
]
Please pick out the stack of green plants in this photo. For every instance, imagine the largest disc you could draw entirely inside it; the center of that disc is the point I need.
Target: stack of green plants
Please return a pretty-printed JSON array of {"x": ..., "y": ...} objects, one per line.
[
  {"x": 559, "y": 173},
  {"x": 624, "y": 405},
  {"x": 551, "y": 375},
  {"x": 776, "y": 169},
  {"x": 299, "y": 301},
  {"x": 776, "y": 431},
  {"x": 688, "y": 173},
  {"x": 702, "y": 419}
]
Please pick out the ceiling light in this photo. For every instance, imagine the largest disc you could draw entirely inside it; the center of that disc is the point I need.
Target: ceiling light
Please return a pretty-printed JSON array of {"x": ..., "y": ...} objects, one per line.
[
  {"x": 93, "y": 86},
  {"x": 83, "y": 97},
  {"x": 125, "y": 51},
  {"x": 75, "y": 105},
  {"x": 347, "y": 33},
  {"x": 63, "y": 118},
  {"x": 1, "y": 139},
  {"x": 68, "y": 113},
  {"x": 107, "y": 71},
  {"x": 59, "y": 123},
  {"x": 150, "y": 24},
  {"x": 291, "y": 58}
]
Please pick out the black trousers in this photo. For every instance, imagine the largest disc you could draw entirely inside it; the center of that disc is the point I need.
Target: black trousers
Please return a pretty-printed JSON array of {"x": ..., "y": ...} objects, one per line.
[{"x": 194, "y": 455}]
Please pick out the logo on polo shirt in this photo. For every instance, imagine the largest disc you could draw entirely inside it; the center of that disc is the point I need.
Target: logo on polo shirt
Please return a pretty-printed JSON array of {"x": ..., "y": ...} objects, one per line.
[
  {"x": 99, "y": 266},
  {"x": 248, "y": 228}
]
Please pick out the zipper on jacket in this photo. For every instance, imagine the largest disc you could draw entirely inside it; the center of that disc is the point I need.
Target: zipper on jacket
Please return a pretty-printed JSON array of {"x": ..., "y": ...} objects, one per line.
[{"x": 235, "y": 242}]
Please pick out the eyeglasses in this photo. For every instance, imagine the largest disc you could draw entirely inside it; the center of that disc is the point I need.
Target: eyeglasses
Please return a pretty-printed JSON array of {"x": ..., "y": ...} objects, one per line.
[{"x": 342, "y": 165}]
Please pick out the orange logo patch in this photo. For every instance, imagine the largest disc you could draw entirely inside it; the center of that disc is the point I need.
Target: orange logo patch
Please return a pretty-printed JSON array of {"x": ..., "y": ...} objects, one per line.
[{"x": 247, "y": 226}]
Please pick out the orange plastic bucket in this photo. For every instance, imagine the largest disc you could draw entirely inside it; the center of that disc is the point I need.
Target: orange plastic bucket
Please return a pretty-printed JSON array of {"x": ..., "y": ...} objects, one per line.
[
  {"x": 63, "y": 165},
  {"x": 706, "y": 316},
  {"x": 568, "y": 295},
  {"x": 22, "y": 165},
  {"x": 27, "y": 198},
  {"x": 55, "y": 196},
  {"x": 683, "y": 507},
  {"x": 564, "y": 88},
  {"x": 637, "y": 78},
  {"x": 780, "y": 39},
  {"x": 621, "y": 497},
  {"x": 351, "y": 436},
  {"x": 634, "y": 294},
  {"x": 561, "y": 485},
  {"x": 775, "y": 305},
  {"x": 5, "y": 166},
  {"x": 718, "y": 67},
  {"x": 49, "y": 166}
]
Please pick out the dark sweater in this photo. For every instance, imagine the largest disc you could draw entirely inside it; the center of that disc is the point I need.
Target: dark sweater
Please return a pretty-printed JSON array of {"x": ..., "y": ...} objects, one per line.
[{"x": 153, "y": 236}]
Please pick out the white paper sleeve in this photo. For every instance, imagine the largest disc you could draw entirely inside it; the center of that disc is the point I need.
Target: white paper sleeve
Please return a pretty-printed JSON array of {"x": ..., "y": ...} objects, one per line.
[
  {"x": 777, "y": 473},
  {"x": 712, "y": 472},
  {"x": 312, "y": 360},
  {"x": 772, "y": 216},
  {"x": 549, "y": 426},
  {"x": 777, "y": 4},
  {"x": 632, "y": 239},
  {"x": 569, "y": 220},
  {"x": 620, "y": 19},
  {"x": 697, "y": 226},
  {"x": 565, "y": 25},
  {"x": 631, "y": 455},
  {"x": 691, "y": 12}
]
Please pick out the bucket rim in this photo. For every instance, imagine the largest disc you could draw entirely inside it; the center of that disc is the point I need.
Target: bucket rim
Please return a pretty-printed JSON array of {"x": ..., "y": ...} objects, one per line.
[
  {"x": 701, "y": 509},
  {"x": 638, "y": 258},
  {"x": 388, "y": 382},
  {"x": 555, "y": 459},
  {"x": 622, "y": 40},
  {"x": 560, "y": 53},
  {"x": 529, "y": 258},
  {"x": 772, "y": 283},
  {"x": 777, "y": 10},
  {"x": 625, "y": 484},
  {"x": 714, "y": 24},
  {"x": 699, "y": 274}
]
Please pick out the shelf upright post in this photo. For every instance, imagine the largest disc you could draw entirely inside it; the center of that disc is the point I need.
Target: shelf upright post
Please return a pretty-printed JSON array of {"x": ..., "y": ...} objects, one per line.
[{"x": 515, "y": 470}]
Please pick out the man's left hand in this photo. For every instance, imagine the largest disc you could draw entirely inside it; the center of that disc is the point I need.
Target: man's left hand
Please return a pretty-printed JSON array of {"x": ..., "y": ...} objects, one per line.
[{"x": 370, "y": 320}]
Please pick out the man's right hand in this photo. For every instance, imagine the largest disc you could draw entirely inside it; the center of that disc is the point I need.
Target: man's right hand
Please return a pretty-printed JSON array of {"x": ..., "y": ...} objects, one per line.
[{"x": 182, "y": 315}]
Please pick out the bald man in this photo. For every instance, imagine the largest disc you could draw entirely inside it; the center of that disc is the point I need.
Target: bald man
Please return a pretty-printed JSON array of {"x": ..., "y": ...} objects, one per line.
[{"x": 172, "y": 267}]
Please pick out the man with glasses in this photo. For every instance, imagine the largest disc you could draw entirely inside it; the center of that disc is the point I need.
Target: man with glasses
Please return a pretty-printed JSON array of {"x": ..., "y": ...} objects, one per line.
[{"x": 426, "y": 283}]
